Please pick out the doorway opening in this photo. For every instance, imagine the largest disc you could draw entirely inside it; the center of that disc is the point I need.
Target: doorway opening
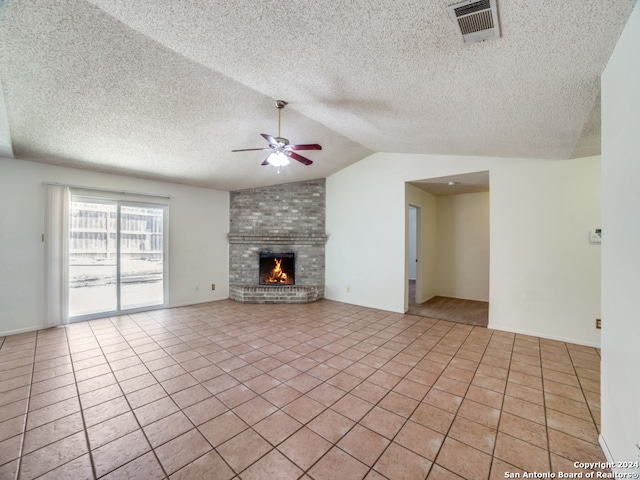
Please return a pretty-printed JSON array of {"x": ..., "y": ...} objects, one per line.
[{"x": 448, "y": 220}]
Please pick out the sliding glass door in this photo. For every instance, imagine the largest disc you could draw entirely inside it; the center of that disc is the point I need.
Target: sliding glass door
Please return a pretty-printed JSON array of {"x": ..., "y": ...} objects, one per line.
[
  {"x": 141, "y": 271},
  {"x": 116, "y": 257}
]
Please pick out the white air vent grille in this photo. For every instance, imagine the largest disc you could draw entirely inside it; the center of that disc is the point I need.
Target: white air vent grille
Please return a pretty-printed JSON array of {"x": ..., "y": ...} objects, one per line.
[
  {"x": 469, "y": 8},
  {"x": 475, "y": 20},
  {"x": 476, "y": 23}
]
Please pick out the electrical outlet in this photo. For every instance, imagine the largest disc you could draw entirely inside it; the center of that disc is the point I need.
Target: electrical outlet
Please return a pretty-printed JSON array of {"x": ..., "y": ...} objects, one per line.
[
  {"x": 213, "y": 286},
  {"x": 598, "y": 323},
  {"x": 197, "y": 288},
  {"x": 348, "y": 289}
]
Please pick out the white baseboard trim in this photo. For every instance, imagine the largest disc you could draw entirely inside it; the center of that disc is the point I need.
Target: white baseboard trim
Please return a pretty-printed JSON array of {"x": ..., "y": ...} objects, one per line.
[
  {"x": 21, "y": 330},
  {"x": 504, "y": 328},
  {"x": 605, "y": 449}
]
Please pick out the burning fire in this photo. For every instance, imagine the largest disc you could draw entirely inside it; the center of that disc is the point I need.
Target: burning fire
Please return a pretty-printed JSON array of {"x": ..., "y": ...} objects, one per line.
[{"x": 277, "y": 275}]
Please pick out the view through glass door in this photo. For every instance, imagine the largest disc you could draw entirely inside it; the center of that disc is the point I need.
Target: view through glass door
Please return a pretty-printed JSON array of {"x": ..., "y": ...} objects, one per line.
[{"x": 116, "y": 257}]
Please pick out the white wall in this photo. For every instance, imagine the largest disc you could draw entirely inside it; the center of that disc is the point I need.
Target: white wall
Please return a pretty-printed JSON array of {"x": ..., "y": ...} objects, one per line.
[
  {"x": 547, "y": 272},
  {"x": 621, "y": 248},
  {"x": 198, "y": 247},
  {"x": 462, "y": 259},
  {"x": 365, "y": 255},
  {"x": 545, "y": 277},
  {"x": 413, "y": 241}
]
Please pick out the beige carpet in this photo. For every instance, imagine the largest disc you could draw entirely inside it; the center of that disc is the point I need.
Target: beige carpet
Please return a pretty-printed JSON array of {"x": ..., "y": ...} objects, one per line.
[{"x": 469, "y": 312}]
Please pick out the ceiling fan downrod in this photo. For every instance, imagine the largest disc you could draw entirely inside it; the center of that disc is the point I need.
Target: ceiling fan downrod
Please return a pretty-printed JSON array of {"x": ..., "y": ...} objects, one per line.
[{"x": 280, "y": 104}]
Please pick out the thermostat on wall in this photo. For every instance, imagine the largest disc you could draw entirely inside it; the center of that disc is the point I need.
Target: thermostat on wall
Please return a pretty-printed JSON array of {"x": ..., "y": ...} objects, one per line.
[{"x": 595, "y": 235}]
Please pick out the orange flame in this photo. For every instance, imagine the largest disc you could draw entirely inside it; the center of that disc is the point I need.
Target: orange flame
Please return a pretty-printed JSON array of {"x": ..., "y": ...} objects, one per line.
[{"x": 277, "y": 275}]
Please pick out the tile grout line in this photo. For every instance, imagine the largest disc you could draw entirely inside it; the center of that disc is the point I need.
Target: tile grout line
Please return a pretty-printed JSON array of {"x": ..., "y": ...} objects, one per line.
[
  {"x": 26, "y": 418},
  {"x": 128, "y": 404},
  {"x": 493, "y": 451},
  {"x": 573, "y": 366},
  {"x": 544, "y": 406},
  {"x": 446, "y": 435},
  {"x": 84, "y": 423},
  {"x": 435, "y": 457}
]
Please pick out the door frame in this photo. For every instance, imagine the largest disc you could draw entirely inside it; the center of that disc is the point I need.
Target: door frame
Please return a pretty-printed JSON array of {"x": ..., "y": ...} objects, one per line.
[{"x": 119, "y": 202}]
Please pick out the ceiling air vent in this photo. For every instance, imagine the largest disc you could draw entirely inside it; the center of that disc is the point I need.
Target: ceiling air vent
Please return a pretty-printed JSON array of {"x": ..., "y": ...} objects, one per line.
[{"x": 475, "y": 20}]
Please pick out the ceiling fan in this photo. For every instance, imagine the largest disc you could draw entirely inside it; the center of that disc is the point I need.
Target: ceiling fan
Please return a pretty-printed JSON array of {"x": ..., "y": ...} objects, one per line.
[{"x": 281, "y": 149}]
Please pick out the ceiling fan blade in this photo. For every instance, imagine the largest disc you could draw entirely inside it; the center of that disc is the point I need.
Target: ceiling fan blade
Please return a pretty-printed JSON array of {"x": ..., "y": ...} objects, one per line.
[
  {"x": 250, "y": 149},
  {"x": 266, "y": 161},
  {"x": 269, "y": 138},
  {"x": 306, "y": 146},
  {"x": 297, "y": 157}
]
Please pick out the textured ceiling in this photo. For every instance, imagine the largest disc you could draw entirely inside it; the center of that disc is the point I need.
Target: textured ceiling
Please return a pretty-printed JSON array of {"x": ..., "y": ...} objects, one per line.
[
  {"x": 473, "y": 182},
  {"x": 163, "y": 89}
]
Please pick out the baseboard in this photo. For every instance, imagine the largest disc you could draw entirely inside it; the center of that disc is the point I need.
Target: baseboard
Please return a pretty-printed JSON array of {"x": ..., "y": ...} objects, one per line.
[
  {"x": 462, "y": 298},
  {"x": 21, "y": 330},
  {"x": 196, "y": 302},
  {"x": 558, "y": 338},
  {"x": 605, "y": 449}
]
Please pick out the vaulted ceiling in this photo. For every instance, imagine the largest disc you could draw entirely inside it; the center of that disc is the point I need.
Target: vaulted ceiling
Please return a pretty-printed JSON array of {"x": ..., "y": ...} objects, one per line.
[{"x": 165, "y": 90}]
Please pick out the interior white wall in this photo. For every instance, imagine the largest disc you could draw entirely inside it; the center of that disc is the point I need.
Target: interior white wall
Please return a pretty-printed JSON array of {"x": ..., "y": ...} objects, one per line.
[
  {"x": 198, "y": 246},
  {"x": 548, "y": 272},
  {"x": 621, "y": 248},
  {"x": 413, "y": 241},
  {"x": 462, "y": 258},
  {"x": 365, "y": 256},
  {"x": 545, "y": 277}
]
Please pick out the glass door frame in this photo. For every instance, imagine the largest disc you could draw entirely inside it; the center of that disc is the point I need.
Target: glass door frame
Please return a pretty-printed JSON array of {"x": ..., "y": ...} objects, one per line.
[{"x": 119, "y": 203}]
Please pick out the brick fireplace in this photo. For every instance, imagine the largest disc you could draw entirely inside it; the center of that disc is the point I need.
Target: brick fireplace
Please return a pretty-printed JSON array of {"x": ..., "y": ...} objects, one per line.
[{"x": 271, "y": 222}]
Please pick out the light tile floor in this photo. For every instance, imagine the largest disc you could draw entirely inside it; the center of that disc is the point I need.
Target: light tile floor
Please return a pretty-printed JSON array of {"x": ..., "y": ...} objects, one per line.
[{"x": 323, "y": 391}]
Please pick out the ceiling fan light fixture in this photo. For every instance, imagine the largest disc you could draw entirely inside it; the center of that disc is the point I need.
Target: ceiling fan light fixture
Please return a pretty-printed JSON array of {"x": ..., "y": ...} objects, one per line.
[
  {"x": 278, "y": 159},
  {"x": 281, "y": 150}
]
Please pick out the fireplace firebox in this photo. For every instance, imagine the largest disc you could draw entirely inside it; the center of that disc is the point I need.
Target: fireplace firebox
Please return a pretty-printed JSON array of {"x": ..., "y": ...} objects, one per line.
[{"x": 277, "y": 268}]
